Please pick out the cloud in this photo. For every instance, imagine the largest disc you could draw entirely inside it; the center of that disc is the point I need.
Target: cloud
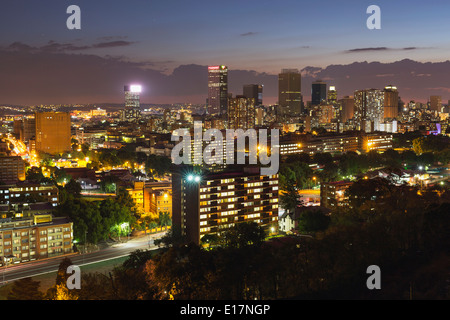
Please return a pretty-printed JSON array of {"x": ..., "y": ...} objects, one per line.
[
  {"x": 62, "y": 75},
  {"x": 248, "y": 34},
  {"x": 111, "y": 38},
  {"x": 111, "y": 44},
  {"x": 381, "y": 49},
  {"x": 368, "y": 49},
  {"x": 56, "y": 47}
]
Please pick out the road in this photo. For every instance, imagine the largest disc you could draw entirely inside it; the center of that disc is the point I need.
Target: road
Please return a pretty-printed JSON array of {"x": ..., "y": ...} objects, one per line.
[{"x": 38, "y": 267}]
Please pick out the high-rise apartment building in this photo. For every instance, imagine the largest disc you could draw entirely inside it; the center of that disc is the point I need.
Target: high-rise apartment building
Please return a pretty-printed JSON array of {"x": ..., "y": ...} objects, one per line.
[
  {"x": 28, "y": 129},
  {"x": 289, "y": 93},
  {"x": 332, "y": 94},
  {"x": 132, "y": 109},
  {"x": 369, "y": 109},
  {"x": 318, "y": 92},
  {"x": 390, "y": 102},
  {"x": 217, "y": 90},
  {"x": 12, "y": 169},
  {"x": 53, "y": 132},
  {"x": 254, "y": 91},
  {"x": 212, "y": 203},
  {"x": 436, "y": 103},
  {"x": 347, "y": 104},
  {"x": 241, "y": 113}
]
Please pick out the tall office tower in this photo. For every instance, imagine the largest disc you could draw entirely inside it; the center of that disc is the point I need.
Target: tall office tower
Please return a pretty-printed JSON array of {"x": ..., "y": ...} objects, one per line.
[
  {"x": 53, "y": 132},
  {"x": 290, "y": 93},
  {"x": 390, "y": 102},
  {"x": 259, "y": 116},
  {"x": 254, "y": 91},
  {"x": 241, "y": 113},
  {"x": 347, "y": 108},
  {"x": 217, "y": 90},
  {"x": 318, "y": 92},
  {"x": 132, "y": 109},
  {"x": 28, "y": 129},
  {"x": 369, "y": 112},
  {"x": 436, "y": 103},
  {"x": 211, "y": 203},
  {"x": 332, "y": 95}
]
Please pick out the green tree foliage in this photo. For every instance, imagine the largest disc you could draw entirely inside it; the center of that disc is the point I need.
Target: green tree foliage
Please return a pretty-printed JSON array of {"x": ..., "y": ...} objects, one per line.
[
  {"x": 244, "y": 234},
  {"x": 157, "y": 166},
  {"x": 313, "y": 221},
  {"x": 25, "y": 289}
]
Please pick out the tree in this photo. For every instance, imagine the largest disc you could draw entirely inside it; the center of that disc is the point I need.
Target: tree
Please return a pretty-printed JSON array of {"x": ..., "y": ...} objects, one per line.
[
  {"x": 244, "y": 234},
  {"x": 34, "y": 174},
  {"x": 157, "y": 166},
  {"x": 289, "y": 198},
  {"x": 25, "y": 289},
  {"x": 164, "y": 219},
  {"x": 419, "y": 145},
  {"x": 313, "y": 221},
  {"x": 73, "y": 188},
  {"x": 60, "y": 291}
]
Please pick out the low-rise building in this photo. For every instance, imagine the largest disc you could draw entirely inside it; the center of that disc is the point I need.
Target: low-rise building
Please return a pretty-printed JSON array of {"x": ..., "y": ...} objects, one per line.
[{"x": 30, "y": 232}]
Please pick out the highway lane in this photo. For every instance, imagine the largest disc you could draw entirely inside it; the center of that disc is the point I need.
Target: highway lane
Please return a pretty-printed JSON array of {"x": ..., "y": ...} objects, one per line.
[{"x": 39, "y": 267}]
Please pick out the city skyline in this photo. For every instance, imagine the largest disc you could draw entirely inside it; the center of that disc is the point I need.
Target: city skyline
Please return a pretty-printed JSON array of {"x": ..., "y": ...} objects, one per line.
[{"x": 162, "y": 44}]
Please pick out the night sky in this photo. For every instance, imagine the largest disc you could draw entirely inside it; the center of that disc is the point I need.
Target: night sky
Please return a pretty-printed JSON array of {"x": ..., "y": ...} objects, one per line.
[{"x": 166, "y": 45}]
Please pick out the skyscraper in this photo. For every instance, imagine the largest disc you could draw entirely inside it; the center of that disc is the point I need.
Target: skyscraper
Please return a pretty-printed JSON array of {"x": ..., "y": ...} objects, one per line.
[
  {"x": 289, "y": 93},
  {"x": 348, "y": 105},
  {"x": 241, "y": 113},
  {"x": 332, "y": 94},
  {"x": 390, "y": 102},
  {"x": 369, "y": 109},
  {"x": 254, "y": 91},
  {"x": 436, "y": 103},
  {"x": 53, "y": 132},
  {"x": 318, "y": 92},
  {"x": 132, "y": 103},
  {"x": 211, "y": 203},
  {"x": 217, "y": 90}
]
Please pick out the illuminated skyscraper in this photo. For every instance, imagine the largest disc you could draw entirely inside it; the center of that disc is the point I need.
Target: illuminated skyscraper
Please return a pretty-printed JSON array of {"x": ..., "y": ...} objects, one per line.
[
  {"x": 289, "y": 93},
  {"x": 132, "y": 103},
  {"x": 369, "y": 109},
  {"x": 332, "y": 94},
  {"x": 348, "y": 105},
  {"x": 390, "y": 102},
  {"x": 211, "y": 203},
  {"x": 241, "y": 113},
  {"x": 254, "y": 91},
  {"x": 53, "y": 132},
  {"x": 217, "y": 90},
  {"x": 436, "y": 103},
  {"x": 318, "y": 92}
]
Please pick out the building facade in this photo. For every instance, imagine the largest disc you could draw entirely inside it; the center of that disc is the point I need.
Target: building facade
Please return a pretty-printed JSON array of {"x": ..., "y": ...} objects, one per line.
[
  {"x": 241, "y": 113},
  {"x": 289, "y": 93},
  {"x": 212, "y": 203},
  {"x": 369, "y": 109},
  {"x": 132, "y": 109},
  {"x": 53, "y": 132},
  {"x": 318, "y": 92},
  {"x": 217, "y": 90},
  {"x": 30, "y": 232},
  {"x": 12, "y": 169}
]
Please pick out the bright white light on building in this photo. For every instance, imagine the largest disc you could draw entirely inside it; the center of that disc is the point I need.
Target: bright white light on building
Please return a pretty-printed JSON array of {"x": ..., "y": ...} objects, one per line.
[{"x": 135, "y": 88}]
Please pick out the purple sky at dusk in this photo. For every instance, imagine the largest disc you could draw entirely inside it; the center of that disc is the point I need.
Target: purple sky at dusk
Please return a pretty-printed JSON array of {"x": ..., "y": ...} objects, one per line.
[{"x": 166, "y": 46}]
